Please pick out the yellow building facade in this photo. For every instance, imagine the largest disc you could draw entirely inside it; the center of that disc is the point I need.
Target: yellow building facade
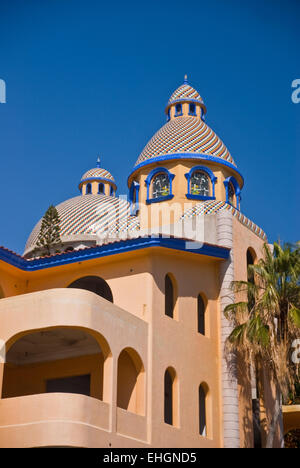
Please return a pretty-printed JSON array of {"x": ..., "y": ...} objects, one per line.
[{"x": 118, "y": 339}]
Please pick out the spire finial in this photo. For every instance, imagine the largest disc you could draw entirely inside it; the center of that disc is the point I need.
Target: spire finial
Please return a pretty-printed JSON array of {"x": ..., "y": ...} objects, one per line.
[
  {"x": 185, "y": 79},
  {"x": 98, "y": 161}
]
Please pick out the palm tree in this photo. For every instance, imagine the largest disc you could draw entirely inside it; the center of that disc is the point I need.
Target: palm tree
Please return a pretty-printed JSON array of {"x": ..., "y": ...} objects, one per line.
[{"x": 268, "y": 322}]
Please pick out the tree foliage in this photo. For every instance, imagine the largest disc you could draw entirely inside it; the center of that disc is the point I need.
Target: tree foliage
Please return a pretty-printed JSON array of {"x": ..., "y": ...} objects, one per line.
[
  {"x": 268, "y": 321},
  {"x": 49, "y": 235}
]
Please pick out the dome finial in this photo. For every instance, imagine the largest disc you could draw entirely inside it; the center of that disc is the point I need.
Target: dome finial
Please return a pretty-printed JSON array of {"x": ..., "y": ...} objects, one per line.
[
  {"x": 98, "y": 162},
  {"x": 185, "y": 79}
]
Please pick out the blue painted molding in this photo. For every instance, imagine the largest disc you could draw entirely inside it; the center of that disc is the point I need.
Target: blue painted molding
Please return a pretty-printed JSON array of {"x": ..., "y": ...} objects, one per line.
[
  {"x": 153, "y": 173},
  {"x": 134, "y": 206},
  {"x": 111, "y": 249},
  {"x": 189, "y": 196},
  {"x": 159, "y": 199},
  {"x": 213, "y": 180},
  {"x": 187, "y": 156},
  {"x": 237, "y": 191}
]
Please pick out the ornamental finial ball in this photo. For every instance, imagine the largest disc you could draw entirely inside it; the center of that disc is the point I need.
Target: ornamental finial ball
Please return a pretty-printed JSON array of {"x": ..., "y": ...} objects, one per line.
[{"x": 98, "y": 161}]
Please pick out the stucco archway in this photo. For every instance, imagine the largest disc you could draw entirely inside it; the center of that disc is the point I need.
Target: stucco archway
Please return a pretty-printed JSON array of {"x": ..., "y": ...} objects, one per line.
[
  {"x": 94, "y": 284},
  {"x": 57, "y": 360}
]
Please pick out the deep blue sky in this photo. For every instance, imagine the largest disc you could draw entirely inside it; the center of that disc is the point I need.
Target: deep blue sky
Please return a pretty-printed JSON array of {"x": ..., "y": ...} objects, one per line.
[{"x": 91, "y": 77}]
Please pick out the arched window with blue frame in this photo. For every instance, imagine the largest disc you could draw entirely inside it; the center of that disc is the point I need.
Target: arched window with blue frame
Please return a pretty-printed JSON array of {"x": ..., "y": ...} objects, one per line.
[
  {"x": 201, "y": 183},
  {"x": 89, "y": 189},
  {"x": 178, "y": 110},
  {"x": 159, "y": 185},
  {"x": 134, "y": 197},
  {"x": 101, "y": 188},
  {"x": 112, "y": 191},
  {"x": 233, "y": 192},
  {"x": 192, "y": 109}
]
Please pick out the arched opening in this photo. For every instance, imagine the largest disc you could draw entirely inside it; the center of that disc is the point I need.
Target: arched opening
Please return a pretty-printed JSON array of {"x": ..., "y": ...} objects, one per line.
[
  {"x": 94, "y": 284},
  {"x": 201, "y": 315},
  {"x": 192, "y": 109},
  {"x": 131, "y": 386},
  {"x": 178, "y": 110},
  {"x": 171, "y": 410},
  {"x": 231, "y": 194},
  {"x": 1, "y": 293},
  {"x": 203, "y": 391},
  {"x": 89, "y": 189},
  {"x": 170, "y": 296},
  {"x": 58, "y": 360},
  {"x": 101, "y": 188},
  {"x": 250, "y": 276}
]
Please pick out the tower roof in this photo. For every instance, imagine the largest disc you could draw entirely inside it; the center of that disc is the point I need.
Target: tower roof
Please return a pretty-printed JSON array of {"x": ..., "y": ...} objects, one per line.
[
  {"x": 97, "y": 173},
  {"x": 185, "y": 93},
  {"x": 185, "y": 135}
]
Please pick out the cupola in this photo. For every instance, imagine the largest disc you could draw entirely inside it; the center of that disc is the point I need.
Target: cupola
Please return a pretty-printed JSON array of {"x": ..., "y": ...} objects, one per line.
[
  {"x": 98, "y": 181},
  {"x": 185, "y": 102}
]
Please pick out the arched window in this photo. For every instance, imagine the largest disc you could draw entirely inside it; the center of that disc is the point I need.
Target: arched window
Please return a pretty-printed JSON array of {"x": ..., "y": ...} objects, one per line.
[
  {"x": 160, "y": 186},
  {"x": 112, "y": 191},
  {"x": 134, "y": 197},
  {"x": 101, "y": 188},
  {"x": 200, "y": 184},
  {"x": 250, "y": 277},
  {"x": 170, "y": 296},
  {"x": 89, "y": 189},
  {"x": 192, "y": 109},
  {"x": 94, "y": 284},
  {"x": 171, "y": 415},
  {"x": 202, "y": 411},
  {"x": 231, "y": 193},
  {"x": 201, "y": 315},
  {"x": 131, "y": 382},
  {"x": 178, "y": 110}
]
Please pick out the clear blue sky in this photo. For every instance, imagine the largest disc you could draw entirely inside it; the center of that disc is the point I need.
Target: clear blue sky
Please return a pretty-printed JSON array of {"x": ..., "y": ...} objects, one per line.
[{"x": 88, "y": 78}]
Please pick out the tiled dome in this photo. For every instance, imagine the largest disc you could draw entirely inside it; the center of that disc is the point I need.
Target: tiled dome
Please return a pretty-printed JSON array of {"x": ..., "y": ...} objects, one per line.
[
  {"x": 185, "y": 92},
  {"x": 84, "y": 216},
  {"x": 97, "y": 173},
  {"x": 185, "y": 135}
]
